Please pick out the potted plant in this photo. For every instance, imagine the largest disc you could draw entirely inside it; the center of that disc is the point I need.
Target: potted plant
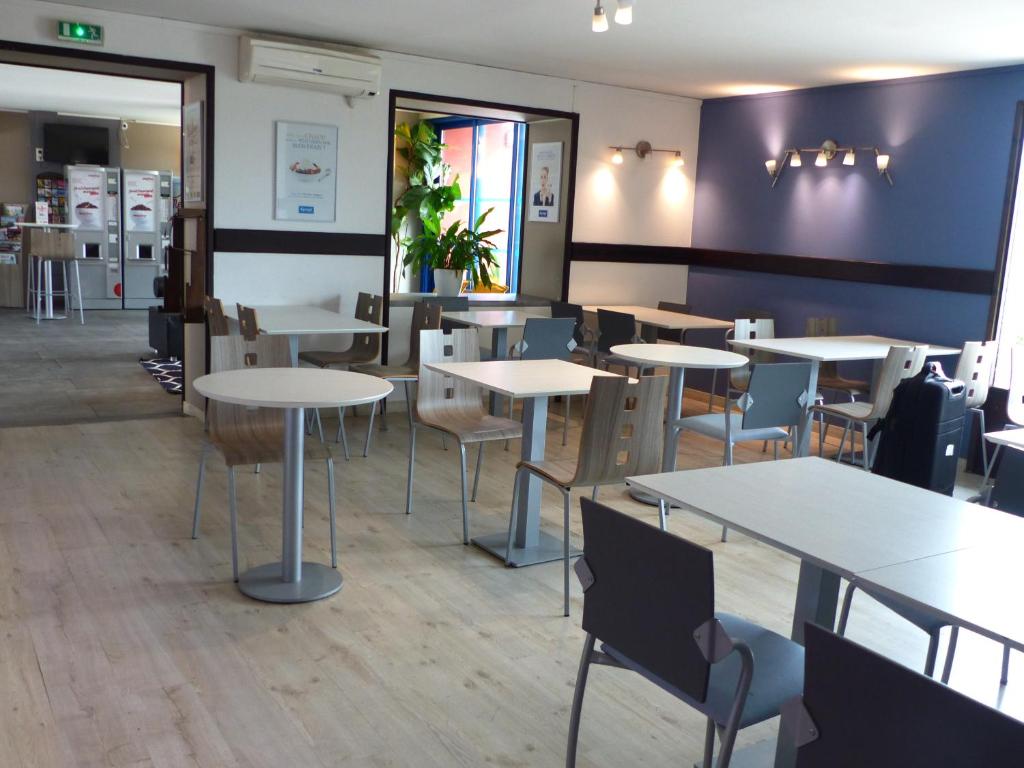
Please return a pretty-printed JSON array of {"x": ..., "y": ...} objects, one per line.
[
  {"x": 429, "y": 197},
  {"x": 454, "y": 252}
]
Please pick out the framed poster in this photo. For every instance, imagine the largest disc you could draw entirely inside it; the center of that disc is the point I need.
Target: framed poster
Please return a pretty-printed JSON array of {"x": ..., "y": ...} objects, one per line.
[
  {"x": 306, "y": 176},
  {"x": 545, "y": 181},
  {"x": 192, "y": 150}
]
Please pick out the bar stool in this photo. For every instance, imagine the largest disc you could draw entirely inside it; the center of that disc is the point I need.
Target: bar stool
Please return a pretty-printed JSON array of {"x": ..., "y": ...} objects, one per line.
[{"x": 40, "y": 285}]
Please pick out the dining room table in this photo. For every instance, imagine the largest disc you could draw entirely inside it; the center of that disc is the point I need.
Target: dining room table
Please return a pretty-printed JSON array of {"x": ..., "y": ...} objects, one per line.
[
  {"x": 534, "y": 382},
  {"x": 292, "y": 580},
  {"x": 652, "y": 320},
  {"x": 498, "y": 322},
  {"x": 297, "y": 320},
  {"x": 843, "y": 523},
  {"x": 677, "y": 358},
  {"x": 821, "y": 349}
]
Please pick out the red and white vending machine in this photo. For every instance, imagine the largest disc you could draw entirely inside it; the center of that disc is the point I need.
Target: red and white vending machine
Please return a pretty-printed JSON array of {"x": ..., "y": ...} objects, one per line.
[{"x": 94, "y": 209}]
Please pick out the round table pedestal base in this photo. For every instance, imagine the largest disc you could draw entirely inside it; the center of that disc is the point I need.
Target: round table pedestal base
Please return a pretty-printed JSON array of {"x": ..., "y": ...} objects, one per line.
[
  {"x": 645, "y": 498},
  {"x": 264, "y": 583}
]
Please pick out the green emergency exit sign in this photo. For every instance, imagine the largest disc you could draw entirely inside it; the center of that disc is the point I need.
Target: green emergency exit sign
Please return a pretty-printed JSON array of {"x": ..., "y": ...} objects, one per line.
[{"x": 80, "y": 32}]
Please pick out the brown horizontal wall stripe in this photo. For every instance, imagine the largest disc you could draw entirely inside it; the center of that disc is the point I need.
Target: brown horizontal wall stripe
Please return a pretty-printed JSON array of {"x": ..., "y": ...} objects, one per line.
[
  {"x": 960, "y": 280},
  {"x": 283, "y": 241}
]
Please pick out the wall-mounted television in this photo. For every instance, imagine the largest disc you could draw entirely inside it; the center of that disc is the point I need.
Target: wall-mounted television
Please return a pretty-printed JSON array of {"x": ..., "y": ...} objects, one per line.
[{"x": 70, "y": 144}]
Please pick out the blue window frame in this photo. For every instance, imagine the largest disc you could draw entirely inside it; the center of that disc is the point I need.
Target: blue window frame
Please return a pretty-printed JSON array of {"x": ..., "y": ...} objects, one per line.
[{"x": 481, "y": 191}]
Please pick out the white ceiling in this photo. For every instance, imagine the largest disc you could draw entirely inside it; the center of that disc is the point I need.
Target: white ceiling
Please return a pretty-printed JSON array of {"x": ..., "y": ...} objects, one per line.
[
  {"x": 690, "y": 47},
  {"x": 80, "y": 93}
]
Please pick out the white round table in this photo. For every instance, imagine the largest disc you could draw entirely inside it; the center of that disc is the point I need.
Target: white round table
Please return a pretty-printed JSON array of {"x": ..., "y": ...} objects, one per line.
[
  {"x": 677, "y": 358},
  {"x": 294, "y": 389}
]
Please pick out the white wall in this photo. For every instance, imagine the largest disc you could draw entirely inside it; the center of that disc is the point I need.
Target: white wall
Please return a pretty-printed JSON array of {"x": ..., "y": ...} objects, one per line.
[{"x": 639, "y": 203}]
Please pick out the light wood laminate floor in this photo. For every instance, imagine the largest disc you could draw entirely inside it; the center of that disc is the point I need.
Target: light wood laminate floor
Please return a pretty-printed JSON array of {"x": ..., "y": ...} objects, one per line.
[
  {"x": 124, "y": 643},
  {"x": 62, "y": 372}
]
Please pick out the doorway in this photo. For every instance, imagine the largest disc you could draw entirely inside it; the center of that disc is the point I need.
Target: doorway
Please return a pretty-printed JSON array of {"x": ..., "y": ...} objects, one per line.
[{"x": 91, "y": 147}]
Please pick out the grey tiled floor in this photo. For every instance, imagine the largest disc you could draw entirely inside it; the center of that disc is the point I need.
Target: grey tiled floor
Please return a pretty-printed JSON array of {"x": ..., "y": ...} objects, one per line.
[{"x": 61, "y": 372}]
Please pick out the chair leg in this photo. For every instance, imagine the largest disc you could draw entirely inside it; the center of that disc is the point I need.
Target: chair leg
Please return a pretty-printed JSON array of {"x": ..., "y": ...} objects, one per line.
[
  {"x": 844, "y": 614},
  {"x": 369, "y": 431},
  {"x": 412, "y": 460},
  {"x": 39, "y": 288},
  {"x": 577, "y": 701},
  {"x": 775, "y": 446},
  {"x": 842, "y": 441},
  {"x": 565, "y": 421},
  {"x": 476, "y": 475},
  {"x": 462, "y": 480},
  {"x": 1005, "y": 676},
  {"x": 867, "y": 448},
  {"x": 933, "y": 652},
  {"x": 709, "y": 744},
  {"x": 233, "y": 508},
  {"x": 567, "y": 509},
  {"x": 408, "y": 403},
  {"x": 320, "y": 425},
  {"x": 593, "y": 493},
  {"x": 342, "y": 436},
  {"x": 513, "y": 515},
  {"x": 332, "y": 507},
  {"x": 199, "y": 489},
  {"x": 947, "y": 668},
  {"x": 984, "y": 443},
  {"x": 444, "y": 442},
  {"x": 662, "y": 515},
  {"x": 78, "y": 287}
]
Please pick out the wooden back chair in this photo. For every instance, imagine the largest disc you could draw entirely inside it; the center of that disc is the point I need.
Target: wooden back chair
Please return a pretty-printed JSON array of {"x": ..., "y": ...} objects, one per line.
[
  {"x": 748, "y": 329},
  {"x": 901, "y": 363},
  {"x": 974, "y": 369},
  {"x": 215, "y": 316},
  {"x": 622, "y": 436},
  {"x": 1015, "y": 398},
  {"x": 455, "y": 407},
  {"x": 828, "y": 372},
  {"x": 248, "y": 324},
  {"x": 425, "y": 317},
  {"x": 366, "y": 346}
]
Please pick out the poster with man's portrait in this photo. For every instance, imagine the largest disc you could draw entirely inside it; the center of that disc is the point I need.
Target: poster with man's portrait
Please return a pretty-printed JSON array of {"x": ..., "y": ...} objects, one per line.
[{"x": 545, "y": 181}]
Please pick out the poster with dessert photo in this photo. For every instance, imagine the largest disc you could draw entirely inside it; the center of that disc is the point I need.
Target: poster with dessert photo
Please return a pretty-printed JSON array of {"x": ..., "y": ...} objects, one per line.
[
  {"x": 140, "y": 201},
  {"x": 306, "y": 175},
  {"x": 86, "y": 190}
]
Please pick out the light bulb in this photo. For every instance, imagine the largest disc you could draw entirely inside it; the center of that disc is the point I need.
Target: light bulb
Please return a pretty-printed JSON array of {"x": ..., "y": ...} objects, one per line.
[
  {"x": 617, "y": 157},
  {"x": 849, "y": 158},
  {"x": 821, "y": 161},
  {"x": 678, "y": 161},
  {"x": 770, "y": 166},
  {"x": 882, "y": 163},
  {"x": 600, "y": 23},
  {"x": 624, "y": 13},
  {"x": 794, "y": 158}
]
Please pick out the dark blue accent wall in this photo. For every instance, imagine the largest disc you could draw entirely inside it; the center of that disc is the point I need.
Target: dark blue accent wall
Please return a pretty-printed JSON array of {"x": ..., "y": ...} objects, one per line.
[{"x": 950, "y": 138}]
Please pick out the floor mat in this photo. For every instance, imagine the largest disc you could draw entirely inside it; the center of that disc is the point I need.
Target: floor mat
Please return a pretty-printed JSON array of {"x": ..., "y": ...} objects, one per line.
[{"x": 166, "y": 371}]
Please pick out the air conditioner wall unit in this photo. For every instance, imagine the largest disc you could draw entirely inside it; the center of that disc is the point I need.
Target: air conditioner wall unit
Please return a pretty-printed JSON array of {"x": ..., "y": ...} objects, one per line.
[{"x": 296, "y": 64}]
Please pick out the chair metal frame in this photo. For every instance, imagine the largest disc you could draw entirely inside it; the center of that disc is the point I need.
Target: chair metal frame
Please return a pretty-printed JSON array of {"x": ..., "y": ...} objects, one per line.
[{"x": 621, "y": 417}]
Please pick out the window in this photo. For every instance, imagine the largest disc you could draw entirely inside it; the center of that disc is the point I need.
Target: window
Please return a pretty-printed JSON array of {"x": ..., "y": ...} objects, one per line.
[{"x": 488, "y": 158}]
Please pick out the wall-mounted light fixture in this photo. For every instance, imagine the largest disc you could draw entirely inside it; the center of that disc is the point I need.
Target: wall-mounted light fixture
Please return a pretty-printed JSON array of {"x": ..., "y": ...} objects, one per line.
[
  {"x": 823, "y": 155},
  {"x": 623, "y": 15},
  {"x": 643, "y": 149}
]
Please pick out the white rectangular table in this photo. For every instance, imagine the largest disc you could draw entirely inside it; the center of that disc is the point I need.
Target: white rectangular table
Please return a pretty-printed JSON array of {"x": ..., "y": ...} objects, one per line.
[
  {"x": 294, "y": 320},
  {"x": 498, "y": 321},
  {"x": 652, "y": 319},
  {"x": 821, "y": 349},
  {"x": 842, "y": 522},
  {"x": 533, "y": 382},
  {"x": 977, "y": 588}
]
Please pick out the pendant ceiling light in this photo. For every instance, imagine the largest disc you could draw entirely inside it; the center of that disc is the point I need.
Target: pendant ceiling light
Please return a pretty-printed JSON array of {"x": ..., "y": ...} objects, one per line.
[
  {"x": 624, "y": 13},
  {"x": 600, "y": 23}
]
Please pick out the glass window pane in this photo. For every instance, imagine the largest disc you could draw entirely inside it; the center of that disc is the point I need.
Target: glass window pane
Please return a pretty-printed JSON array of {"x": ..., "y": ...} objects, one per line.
[
  {"x": 494, "y": 168},
  {"x": 459, "y": 155}
]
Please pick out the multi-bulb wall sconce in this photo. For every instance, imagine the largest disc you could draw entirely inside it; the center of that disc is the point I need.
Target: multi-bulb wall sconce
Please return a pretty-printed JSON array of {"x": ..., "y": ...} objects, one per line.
[
  {"x": 823, "y": 154},
  {"x": 643, "y": 149}
]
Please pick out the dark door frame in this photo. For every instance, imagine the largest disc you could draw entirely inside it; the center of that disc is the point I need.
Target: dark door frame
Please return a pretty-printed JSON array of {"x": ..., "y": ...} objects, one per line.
[
  {"x": 570, "y": 189},
  {"x": 139, "y": 68},
  {"x": 1009, "y": 200}
]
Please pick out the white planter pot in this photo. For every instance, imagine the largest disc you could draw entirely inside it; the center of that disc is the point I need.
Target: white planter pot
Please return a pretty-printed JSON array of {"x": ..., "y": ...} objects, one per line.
[{"x": 448, "y": 282}]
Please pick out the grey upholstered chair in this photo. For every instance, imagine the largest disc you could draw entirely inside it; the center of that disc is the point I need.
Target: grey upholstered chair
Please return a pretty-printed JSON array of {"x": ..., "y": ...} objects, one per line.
[
  {"x": 854, "y": 712},
  {"x": 547, "y": 338},
  {"x": 648, "y": 597}
]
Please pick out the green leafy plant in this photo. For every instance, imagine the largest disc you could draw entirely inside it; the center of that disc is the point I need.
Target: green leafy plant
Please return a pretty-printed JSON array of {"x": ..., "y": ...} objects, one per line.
[
  {"x": 427, "y": 200},
  {"x": 457, "y": 247}
]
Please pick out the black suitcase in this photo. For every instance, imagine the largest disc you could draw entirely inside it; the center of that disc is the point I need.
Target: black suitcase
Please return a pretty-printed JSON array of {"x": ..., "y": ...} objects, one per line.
[{"x": 919, "y": 440}]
